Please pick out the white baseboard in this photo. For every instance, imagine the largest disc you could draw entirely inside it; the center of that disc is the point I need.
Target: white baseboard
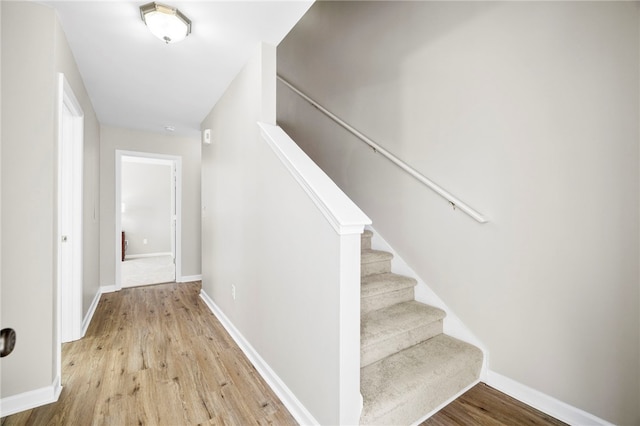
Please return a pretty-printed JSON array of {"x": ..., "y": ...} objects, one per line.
[
  {"x": 92, "y": 310},
  {"x": 139, "y": 256},
  {"x": 189, "y": 278},
  {"x": 543, "y": 402},
  {"x": 108, "y": 289},
  {"x": 30, "y": 399},
  {"x": 295, "y": 407}
]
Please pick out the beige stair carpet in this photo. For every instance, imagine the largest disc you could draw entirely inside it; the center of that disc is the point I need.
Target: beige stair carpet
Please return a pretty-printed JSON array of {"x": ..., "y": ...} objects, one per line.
[{"x": 409, "y": 367}]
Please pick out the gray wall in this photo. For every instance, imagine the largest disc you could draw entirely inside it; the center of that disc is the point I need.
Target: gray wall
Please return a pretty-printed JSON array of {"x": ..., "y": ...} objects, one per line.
[
  {"x": 264, "y": 235},
  {"x": 527, "y": 111},
  {"x": 34, "y": 49},
  {"x": 65, "y": 63},
  {"x": 146, "y": 192},
  {"x": 112, "y": 139}
]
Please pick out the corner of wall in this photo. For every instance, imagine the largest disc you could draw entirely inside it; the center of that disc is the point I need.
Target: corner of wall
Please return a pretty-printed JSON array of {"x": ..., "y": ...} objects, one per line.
[{"x": 279, "y": 387}]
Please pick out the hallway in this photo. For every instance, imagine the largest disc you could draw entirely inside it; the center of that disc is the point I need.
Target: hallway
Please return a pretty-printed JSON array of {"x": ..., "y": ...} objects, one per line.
[{"x": 157, "y": 356}]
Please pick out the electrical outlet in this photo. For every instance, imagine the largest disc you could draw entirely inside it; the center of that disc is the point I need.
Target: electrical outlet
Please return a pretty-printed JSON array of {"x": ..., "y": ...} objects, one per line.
[
  {"x": 233, "y": 291},
  {"x": 144, "y": 241}
]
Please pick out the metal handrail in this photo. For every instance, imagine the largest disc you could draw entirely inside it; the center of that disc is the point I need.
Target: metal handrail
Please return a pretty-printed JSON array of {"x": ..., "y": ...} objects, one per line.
[{"x": 454, "y": 201}]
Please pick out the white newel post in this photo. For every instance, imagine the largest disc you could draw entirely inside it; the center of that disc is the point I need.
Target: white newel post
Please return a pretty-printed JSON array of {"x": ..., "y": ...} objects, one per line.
[{"x": 350, "y": 397}]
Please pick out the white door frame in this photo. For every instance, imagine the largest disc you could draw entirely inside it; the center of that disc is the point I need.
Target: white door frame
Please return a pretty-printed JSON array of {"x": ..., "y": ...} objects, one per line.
[
  {"x": 69, "y": 234},
  {"x": 177, "y": 161}
]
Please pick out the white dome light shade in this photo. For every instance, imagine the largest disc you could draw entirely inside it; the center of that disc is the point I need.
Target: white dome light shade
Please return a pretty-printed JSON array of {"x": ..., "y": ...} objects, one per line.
[{"x": 165, "y": 22}]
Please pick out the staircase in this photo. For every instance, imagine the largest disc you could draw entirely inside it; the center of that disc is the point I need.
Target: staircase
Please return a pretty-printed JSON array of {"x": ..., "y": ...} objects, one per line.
[{"x": 408, "y": 367}]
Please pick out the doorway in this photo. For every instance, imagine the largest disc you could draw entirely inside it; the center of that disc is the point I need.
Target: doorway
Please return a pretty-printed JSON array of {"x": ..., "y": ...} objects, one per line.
[
  {"x": 147, "y": 218},
  {"x": 69, "y": 211}
]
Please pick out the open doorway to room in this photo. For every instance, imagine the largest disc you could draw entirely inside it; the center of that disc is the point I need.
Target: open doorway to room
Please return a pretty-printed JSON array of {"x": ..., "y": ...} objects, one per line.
[{"x": 147, "y": 218}]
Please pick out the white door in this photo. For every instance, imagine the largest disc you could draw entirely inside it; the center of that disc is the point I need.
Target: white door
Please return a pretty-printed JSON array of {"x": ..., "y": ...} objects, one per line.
[{"x": 70, "y": 173}]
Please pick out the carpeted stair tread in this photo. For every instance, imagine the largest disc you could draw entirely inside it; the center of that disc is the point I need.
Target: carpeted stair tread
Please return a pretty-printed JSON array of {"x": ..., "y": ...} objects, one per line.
[
  {"x": 375, "y": 262},
  {"x": 371, "y": 256},
  {"x": 403, "y": 387},
  {"x": 397, "y": 327},
  {"x": 378, "y": 291},
  {"x": 376, "y": 284},
  {"x": 408, "y": 366},
  {"x": 383, "y": 323}
]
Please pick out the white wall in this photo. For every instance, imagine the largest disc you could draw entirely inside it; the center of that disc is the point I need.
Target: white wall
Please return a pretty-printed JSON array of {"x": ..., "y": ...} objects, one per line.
[
  {"x": 112, "y": 139},
  {"x": 146, "y": 193},
  {"x": 34, "y": 49},
  {"x": 527, "y": 111},
  {"x": 264, "y": 235}
]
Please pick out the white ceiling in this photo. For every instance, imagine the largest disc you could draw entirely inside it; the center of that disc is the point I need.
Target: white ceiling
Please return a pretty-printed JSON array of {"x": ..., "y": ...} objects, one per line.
[{"x": 136, "y": 81}]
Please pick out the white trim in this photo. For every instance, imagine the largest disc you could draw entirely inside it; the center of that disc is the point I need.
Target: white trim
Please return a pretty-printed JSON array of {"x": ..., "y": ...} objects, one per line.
[
  {"x": 543, "y": 402},
  {"x": 91, "y": 311},
  {"x": 444, "y": 404},
  {"x": 175, "y": 159},
  {"x": 343, "y": 215},
  {"x": 147, "y": 160},
  {"x": 295, "y": 407},
  {"x": 140, "y": 256},
  {"x": 190, "y": 278},
  {"x": 350, "y": 399},
  {"x": 108, "y": 289},
  {"x": 452, "y": 324},
  {"x": 30, "y": 399}
]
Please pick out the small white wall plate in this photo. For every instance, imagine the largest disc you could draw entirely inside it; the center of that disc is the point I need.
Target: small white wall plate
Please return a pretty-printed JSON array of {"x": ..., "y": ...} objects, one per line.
[{"x": 206, "y": 136}]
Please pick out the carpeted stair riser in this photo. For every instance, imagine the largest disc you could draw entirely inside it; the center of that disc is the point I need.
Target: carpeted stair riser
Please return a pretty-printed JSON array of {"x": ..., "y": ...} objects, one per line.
[
  {"x": 390, "y": 330},
  {"x": 375, "y": 262},
  {"x": 382, "y": 290},
  {"x": 402, "y": 388},
  {"x": 365, "y": 240},
  {"x": 380, "y": 301}
]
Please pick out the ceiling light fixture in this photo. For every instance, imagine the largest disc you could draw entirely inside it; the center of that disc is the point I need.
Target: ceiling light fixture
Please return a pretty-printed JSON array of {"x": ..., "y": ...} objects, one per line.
[{"x": 165, "y": 22}]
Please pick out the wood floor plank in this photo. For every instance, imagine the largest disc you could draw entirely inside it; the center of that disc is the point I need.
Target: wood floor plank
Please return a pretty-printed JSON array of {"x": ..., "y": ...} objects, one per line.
[
  {"x": 156, "y": 355},
  {"x": 484, "y": 405}
]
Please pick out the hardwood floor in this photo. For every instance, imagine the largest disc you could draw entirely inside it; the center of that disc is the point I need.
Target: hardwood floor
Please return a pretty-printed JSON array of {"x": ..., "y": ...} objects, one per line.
[
  {"x": 157, "y": 356},
  {"x": 483, "y": 405}
]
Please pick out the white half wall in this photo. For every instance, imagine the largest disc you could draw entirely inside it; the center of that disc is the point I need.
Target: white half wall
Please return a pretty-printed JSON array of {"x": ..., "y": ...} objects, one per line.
[{"x": 271, "y": 259}]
